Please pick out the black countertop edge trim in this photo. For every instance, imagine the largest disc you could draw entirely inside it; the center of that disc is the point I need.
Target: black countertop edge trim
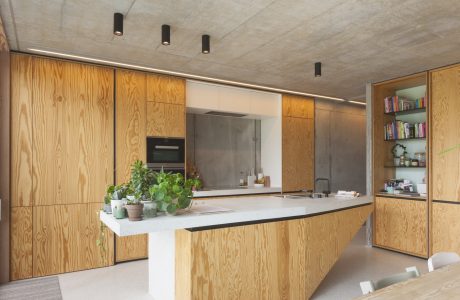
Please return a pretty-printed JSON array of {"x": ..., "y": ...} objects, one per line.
[
  {"x": 446, "y": 201},
  {"x": 271, "y": 220},
  {"x": 402, "y": 197}
]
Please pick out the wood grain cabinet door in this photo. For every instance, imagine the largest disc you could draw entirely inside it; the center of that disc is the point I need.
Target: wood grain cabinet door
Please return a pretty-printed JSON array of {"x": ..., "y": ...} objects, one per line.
[
  {"x": 445, "y": 231},
  {"x": 298, "y": 154},
  {"x": 165, "y": 89},
  {"x": 298, "y": 106},
  {"x": 401, "y": 224},
  {"x": 165, "y": 120},
  {"x": 445, "y": 133}
]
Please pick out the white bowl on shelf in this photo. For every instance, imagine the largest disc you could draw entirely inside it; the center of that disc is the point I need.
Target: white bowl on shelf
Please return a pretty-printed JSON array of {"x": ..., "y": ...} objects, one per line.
[{"x": 259, "y": 185}]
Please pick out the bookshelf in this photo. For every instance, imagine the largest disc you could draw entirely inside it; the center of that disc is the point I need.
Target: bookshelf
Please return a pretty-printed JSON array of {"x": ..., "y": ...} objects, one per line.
[{"x": 392, "y": 210}]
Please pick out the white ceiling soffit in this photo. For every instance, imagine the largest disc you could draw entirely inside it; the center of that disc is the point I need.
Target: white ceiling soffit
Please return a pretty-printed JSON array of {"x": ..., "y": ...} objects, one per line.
[{"x": 262, "y": 42}]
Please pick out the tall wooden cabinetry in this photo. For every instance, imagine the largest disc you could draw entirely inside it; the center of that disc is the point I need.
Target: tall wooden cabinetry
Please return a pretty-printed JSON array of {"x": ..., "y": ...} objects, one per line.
[
  {"x": 400, "y": 220},
  {"x": 146, "y": 105},
  {"x": 445, "y": 159},
  {"x": 298, "y": 143},
  {"x": 62, "y": 161}
]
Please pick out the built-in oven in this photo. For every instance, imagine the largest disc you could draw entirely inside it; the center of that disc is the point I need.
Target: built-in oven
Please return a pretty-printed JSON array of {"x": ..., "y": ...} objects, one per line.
[{"x": 167, "y": 154}]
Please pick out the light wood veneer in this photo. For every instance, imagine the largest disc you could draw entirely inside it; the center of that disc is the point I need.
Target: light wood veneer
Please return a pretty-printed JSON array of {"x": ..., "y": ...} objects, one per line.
[
  {"x": 445, "y": 231},
  {"x": 276, "y": 260}
]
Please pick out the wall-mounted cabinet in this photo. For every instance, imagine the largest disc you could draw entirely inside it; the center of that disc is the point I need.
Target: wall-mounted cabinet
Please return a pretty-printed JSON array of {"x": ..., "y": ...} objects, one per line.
[{"x": 298, "y": 135}]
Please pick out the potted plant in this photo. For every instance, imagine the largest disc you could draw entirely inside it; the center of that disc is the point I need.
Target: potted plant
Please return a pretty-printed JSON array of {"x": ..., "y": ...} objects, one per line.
[
  {"x": 171, "y": 192},
  {"x": 134, "y": 207},
  {"x": 398, "y": 159},
  {"x": 196, "y": 183},
  {"x": 119, "y": 200},
  {"x": 107, "y": 199}
]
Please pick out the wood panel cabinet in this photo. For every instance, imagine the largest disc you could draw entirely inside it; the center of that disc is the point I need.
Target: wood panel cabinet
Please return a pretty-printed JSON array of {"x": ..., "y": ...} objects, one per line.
[
  {"x": 298, "y": 135},
  {"x": 65, "y": 239},
  {"x": 401, "y": 225},
  {"x": 165, "y": 89},
  {"x": 21, "y": 243},
  {"x": 445, "y": 230},
  {"x": 130, "y": 146},
  {"x": 445, "y": 124},
  {"x": 166, "y": 120},
  {"x": 62, "y": 161},
  {"x": 298, "y": 106}
]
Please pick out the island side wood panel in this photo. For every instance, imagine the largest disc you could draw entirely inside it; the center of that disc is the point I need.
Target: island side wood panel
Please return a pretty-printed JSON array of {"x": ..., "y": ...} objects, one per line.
[
  {"x": 445, "y": 231},
  {"x": 21, "y": 130},
  {"x": 165, "y": 89},
  {"x": 401, "y": 225},
  {"x": 65, "y": 239},
  {"x": 73, "y": 132},
  {"x": 445, "y": 121},
  {"x": 298, "y": 154},
  {"x": 275, "y": 260},
  {"x": 21, "y": 243},
  {"x": 130, "y": 146}
]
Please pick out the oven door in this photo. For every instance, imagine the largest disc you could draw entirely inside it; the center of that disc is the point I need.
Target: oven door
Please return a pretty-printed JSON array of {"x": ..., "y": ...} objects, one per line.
[{"x": 165, "y": 152}]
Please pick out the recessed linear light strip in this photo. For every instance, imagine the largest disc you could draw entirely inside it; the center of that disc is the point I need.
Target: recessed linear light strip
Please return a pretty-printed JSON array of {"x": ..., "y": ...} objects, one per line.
[
  {"x": 356, "y": 102},
  {"x": 131, "y": 66}
]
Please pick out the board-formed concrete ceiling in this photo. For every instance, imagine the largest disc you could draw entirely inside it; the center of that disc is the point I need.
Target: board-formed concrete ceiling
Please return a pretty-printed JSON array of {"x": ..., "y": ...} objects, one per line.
[{"x": 266, "y": 42}]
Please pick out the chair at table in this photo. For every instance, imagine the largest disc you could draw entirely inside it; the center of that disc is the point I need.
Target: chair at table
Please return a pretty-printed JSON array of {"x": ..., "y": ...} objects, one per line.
[
  {"x": 442, "y": 259},
  {"x": 369, "y": 286}
]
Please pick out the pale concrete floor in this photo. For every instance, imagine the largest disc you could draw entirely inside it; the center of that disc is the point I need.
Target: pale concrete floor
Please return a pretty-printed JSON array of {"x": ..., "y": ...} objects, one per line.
[{"x": 130, "y": 280}]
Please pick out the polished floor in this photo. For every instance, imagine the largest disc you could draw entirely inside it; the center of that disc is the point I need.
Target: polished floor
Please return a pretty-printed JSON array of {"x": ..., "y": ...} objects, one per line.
[{"x": 357, "y": 263}]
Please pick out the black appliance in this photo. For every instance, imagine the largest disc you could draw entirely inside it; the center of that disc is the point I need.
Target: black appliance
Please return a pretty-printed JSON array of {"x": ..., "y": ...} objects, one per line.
[{"x": 167, "y": 154}]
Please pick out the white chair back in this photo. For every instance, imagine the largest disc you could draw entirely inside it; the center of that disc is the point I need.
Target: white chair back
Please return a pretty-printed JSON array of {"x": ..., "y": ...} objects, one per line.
[
  {"x": 442, "y": 259},
  {"x": 369, "y": 286}
]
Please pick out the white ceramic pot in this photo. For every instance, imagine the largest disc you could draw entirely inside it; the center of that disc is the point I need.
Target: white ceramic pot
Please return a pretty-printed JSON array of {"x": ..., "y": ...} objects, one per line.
[{"x": 116, "y": 204}]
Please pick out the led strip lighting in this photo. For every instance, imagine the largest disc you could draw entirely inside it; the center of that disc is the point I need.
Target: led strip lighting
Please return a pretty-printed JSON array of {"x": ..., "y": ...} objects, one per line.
[{"x": 186, "y": 75}]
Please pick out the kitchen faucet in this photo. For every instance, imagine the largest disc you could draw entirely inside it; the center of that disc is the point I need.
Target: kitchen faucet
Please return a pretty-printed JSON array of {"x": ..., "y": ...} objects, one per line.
[{"x": 328, "y": 191}]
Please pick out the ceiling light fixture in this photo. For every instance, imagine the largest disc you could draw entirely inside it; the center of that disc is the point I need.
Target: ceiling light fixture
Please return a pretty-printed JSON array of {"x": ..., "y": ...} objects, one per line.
[
  {"x": 205, "y": 44},
  {"x": 317, "y": 69},
  {"x": 118, "y": 24},
  {"x": 179, "y": 74},
  {"x": 165, "y": 34}
]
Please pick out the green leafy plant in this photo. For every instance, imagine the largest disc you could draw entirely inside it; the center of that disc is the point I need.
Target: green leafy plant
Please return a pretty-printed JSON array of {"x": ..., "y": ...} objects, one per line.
[
  {"x": 101, "y": 241},
  {"x": 195, "y": 183},
  {"x": 141, "y": 179},
  {"x": 394, "y": 150},
  {"x": 109, "y": 195},
  {"x": 171, "y": 192}
]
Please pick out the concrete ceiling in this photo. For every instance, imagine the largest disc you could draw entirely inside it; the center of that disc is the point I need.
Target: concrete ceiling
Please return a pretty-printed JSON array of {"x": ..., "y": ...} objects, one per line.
[{"x": 266, "y": 42}]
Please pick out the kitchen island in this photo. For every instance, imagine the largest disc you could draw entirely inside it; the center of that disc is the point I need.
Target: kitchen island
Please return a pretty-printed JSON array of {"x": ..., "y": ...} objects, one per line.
[{"x": 253, "y": 248}]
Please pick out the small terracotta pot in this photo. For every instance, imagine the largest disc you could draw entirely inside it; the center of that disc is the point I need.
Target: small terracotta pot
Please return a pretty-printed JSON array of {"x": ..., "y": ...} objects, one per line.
[{"x": 134, "y": 211}]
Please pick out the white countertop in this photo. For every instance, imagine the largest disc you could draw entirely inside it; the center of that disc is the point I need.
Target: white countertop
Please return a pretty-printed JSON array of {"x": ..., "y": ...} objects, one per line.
[
  {"x": 214, "y": 192},
  {"x": 244, "y": 209}
]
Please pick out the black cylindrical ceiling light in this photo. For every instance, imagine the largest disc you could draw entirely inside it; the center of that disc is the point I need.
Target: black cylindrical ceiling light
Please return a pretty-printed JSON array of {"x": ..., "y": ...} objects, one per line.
[
  {"x": 165, "y": 34},
  {"x": 318, "y": 69},
  {"x": 205, "y": 44},
  {"x": 118, "y": 24}
]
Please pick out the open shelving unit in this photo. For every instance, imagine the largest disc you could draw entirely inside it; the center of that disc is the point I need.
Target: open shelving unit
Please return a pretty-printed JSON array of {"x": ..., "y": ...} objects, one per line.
[{"x": 400, "y": 220}]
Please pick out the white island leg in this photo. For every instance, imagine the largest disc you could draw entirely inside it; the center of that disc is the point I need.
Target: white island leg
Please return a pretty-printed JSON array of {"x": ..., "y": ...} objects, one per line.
[{"x": 162, "y": 265}]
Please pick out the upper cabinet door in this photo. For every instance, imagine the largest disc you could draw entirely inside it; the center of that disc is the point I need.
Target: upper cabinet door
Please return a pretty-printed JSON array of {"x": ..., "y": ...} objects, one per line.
[
  {"x": 445, "y": 106},
  {"x": 299, "y": 107},
  {"x": 165, "y": 89},
  {"x": 72, "y": 132}
]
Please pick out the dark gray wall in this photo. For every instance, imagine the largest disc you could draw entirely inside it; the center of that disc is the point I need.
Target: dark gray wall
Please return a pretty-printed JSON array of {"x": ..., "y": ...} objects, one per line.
[
  {"x": 222, "y": 148},
  {"x": 340, "y": 145}
]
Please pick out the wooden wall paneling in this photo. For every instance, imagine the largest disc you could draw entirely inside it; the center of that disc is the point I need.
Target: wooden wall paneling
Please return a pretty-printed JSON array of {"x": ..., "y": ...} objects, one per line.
[
  {"x": 73, "y": 132},
  {"x": 165, "y": 89},
  {"x": 297, "y": 154},
  {"x": 445, "y": 154},
  {"x": 5, "y": 161},
  {"x": 21, "y": 130},
  {"x": 402, "y": 225},
  {"x": 21, "y": 243},
  {"x": 276, "y": 260},
  {"x": 130, "y": 146},
  {"x": 445, "y": 231},
  {"x": 166, "y": 120},
  {"x": 65, "y": 239},
  {"x": 298, "y": 106}
]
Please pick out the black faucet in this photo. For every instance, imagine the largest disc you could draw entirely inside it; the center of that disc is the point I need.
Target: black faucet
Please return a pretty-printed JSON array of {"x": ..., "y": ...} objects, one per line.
[{"x": 328, "y": 191}]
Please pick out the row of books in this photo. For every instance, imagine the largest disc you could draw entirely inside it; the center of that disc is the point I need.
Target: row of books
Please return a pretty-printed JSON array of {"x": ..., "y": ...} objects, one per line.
[
  {"x": 396, "y": 103},
  {"x": 402, "y": 130}
]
